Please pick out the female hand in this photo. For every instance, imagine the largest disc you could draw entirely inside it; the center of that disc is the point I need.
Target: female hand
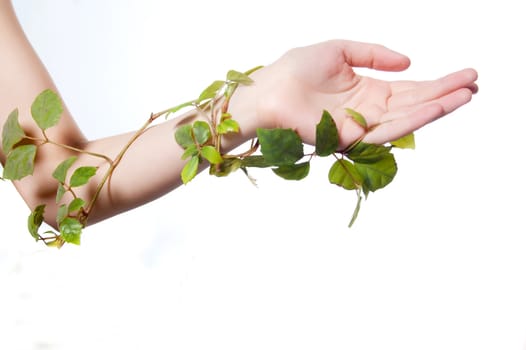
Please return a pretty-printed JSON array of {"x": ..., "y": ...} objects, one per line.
[{"x": 307, "y": 80}]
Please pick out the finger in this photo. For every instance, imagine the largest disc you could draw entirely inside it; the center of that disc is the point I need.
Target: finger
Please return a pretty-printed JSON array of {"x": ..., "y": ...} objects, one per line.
[
  {"x": 359, "y": 54},
  {"x": 414, "y": 93},
  {"x": 401, "y": 123}
]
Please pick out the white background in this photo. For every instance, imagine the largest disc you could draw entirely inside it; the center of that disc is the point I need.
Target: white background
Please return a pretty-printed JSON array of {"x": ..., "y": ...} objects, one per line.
[{"x": 436, "y": 261}]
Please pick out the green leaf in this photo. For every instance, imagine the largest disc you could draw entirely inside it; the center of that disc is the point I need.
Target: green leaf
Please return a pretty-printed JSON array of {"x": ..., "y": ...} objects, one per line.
[
  {"x": 280, "y": 146},
  {"x": 407, "y": 141},
  {"x": 252, "y": 70},
  {"x": 190, "y": 169},
  {"x": 226, "y": 126},
  {"x": 82, "y": 175},
  {"x": 62, "y": 169},
  {"x": 62, "y": 213},
  {"x": 327, "y": 138},
  {"x": 377, "y": 174},
  {"x": 293, "y": 172},
  {"x": 46, "y": 109},
  {"x": 239, "y": 77},
  {"x": 60, "y": 192},
  {"x": 211, "y": 155},
  {"x": 357, "y": 117},
  {"x": 183, "y": 136},
  {"x": 190, "y": 151},
  {"x": 201, "y": 132},
  {"x": 368, "y": 153},
  {"x": 343, "y": 173},
  {"x": 20, "y": 162},
  {"x": 55, "y": 243},
  {"x": 228, "y": 166},
  {"x": 211, "y": 90},
  {"x": 70, "y": 230},
  {"x": 12, "y": 133},
  {"x": 75, "y": 205},
  {"x": 35, "y": 220}
]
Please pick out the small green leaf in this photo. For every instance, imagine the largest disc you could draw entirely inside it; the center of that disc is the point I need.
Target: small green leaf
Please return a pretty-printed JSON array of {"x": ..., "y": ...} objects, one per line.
[
  {"x": 327, "y": 138},
  {"x": 357, "y": 117},
  {"x": 190, "y": 151},
  {"x": 70, "y": 230},
  {"x": 35, "y": 220},
  {"x": 12, "y": 132},
  {"x": 201, "y": 132},
  {"x": 252, "y": 70},
  {"x": 280, "y": 146},
  {"x": 228, "y": 166},
  {"x": 377, "y": 174},
  {"x": 342, "y": 173},
  {"x": 190, "y": 169},
  {"x": 239, "y": 77},
  {"x": 62, "y": 169},
  {"x": 407, "y": 141},
  {"x": 46, "y": 109},
  {"x": 211, "y": 155},
  {"x": 226, "y": 126},
  {"x": 183, "y": 136},
  {"x": 293, "y": 172},
  {"x": 211, "y": 90},
  {"x": 20, "y": 162},
  {"x": 60, "y": 192},
  {"x": 82, "y": 175},
  {"x": 62, "y": 213},
  {"x": 75, "y": 205}
]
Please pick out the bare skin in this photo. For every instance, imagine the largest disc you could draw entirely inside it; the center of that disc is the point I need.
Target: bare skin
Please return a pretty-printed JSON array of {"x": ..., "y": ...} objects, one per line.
[{"x": 292, "y": 92}]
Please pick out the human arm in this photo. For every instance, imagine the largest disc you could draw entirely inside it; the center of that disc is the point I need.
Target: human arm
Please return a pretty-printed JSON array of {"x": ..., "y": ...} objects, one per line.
[{"x": 291, "y": 92}]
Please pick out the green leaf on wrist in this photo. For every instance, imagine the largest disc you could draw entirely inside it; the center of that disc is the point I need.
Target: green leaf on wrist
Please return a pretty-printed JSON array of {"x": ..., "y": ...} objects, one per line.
[
  {"x": 327, "y": 138},
  {"x": 280, "y": 146},
  {"x": 190, "y": 169}
]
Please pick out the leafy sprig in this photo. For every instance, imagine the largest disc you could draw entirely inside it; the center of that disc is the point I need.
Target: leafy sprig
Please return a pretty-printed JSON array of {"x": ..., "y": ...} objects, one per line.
[{"x": 360, "y": 167}]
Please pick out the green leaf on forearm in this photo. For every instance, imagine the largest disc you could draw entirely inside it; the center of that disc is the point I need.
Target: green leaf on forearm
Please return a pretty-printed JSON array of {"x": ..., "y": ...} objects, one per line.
[
  {"x": 256, "y": 162},
  {"x": 327, "y": 138},
  {"x": 70, "y": 230},
  {"x": 280, "y": 146},
  {"x": 62, "y": 213},
  {"x": 190, "y": 169},
  {"x": 46, "y": 109},
  {"x": 407, "y": 141},
  {"x": 75, "y": 205},
  {"x": 12, "y": 132},
  {"x": 61, "y": 170},
  {"x": 201, "y": 132},
  {"x": 20, "y": 162},
  {"x": 343, "y": 173},
  {"x": 82, "y": 175},
  {"x": 239, "y": 77},
  {"x": 61, "y": 190},
  {"x": 34, "y": 221},
  {"x": 293, "y": 172},
  {"x": 183, "y": 136},
  {"x": 226, "y": 126},
  {"x": 211, "y": 155},
  {"x": 211, "y": 91}
]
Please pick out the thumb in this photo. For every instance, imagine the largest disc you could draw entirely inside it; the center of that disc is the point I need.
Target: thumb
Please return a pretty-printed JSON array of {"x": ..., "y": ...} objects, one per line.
[{"x": 359, "y": 54}]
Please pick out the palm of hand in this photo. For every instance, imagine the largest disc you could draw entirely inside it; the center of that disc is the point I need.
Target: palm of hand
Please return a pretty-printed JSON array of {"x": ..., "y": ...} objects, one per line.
[{"x": 321, "y": 77}]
